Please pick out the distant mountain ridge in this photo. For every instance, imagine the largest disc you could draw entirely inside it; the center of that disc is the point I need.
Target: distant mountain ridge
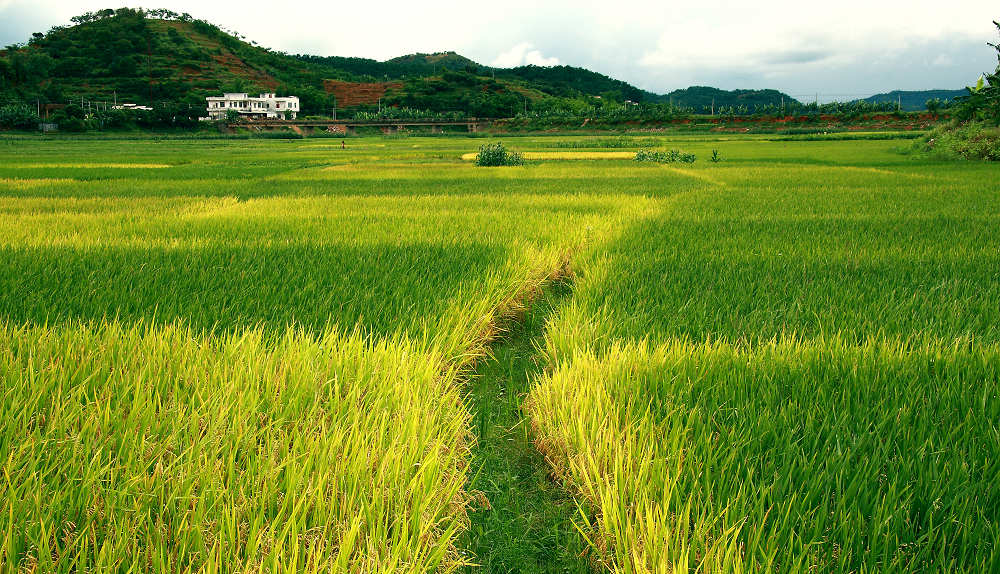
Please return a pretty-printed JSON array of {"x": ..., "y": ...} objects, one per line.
[
  {"x": 705, "y": 99},
  {"x": 159, "y": 56},
  {"x": 367, "y": 69},
  {"x": 913, "y": 101}
]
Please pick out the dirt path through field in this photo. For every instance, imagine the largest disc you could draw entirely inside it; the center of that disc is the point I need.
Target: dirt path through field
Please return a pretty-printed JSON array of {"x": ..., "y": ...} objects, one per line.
[{"x": 527, "y": 524}]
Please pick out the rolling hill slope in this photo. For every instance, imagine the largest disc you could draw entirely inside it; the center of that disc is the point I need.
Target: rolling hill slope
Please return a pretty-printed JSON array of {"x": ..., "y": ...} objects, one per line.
[
  {"x": 703, "y": 99},
  {"x": 130, "y": 57},
  {"x": 157, "y": 56},
  {"x": 915, "y": 100}
]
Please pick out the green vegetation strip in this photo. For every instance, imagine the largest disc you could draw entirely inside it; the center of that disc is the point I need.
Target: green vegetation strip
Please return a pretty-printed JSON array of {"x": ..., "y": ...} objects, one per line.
[{"x": 523, "y": 520}]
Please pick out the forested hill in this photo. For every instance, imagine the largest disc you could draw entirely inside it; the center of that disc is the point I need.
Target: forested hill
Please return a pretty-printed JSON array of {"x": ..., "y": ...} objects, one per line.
[
  {"x": 703, "y": 99},
  {"x": 568, "y": 82},
  {"x": 915, "y": 101},
  {"x": 412, "y": 65},
  {"x": 150, "y": 57},
  {"x": 156, "y": 56}
]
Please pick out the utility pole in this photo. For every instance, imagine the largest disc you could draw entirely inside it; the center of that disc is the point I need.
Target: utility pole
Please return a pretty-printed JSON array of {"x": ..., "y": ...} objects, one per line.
[
  {"x": 899, "y": 102},
  {"x": 334, "y": 108},
  {"x": 713, "y": 106}
]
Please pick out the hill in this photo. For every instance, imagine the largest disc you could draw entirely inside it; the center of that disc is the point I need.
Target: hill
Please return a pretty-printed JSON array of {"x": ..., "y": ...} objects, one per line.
[
  {"x": 703, "y": 99},
  {"x": 571, "y": 82},
  {"x": 913, "y": 101},
  {"x": 127, "y": 55},
  {"x": 475, "y": 95},
  {"x": 149, "y": 56},
  {"x": 159, "y": 57},
  {"x": 413, "y": 65}
]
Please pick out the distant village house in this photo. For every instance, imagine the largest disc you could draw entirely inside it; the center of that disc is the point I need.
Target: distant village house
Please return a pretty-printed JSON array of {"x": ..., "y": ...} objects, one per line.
[
  {"x": 132, "y": 107},
  {"x": 267, "y": 106}
]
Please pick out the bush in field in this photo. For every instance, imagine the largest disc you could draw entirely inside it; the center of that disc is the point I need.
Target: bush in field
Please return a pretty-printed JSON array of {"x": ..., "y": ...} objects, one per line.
[
  {"x": 976, "y": 132},
  {"x": 492, "y": 155},
  {"x": 672, "y": 156},
  {"x": 971, "y": 140}
]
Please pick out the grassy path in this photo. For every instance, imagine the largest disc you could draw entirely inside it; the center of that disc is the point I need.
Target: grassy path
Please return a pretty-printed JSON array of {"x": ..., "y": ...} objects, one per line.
[{"x": 528, "y": 524}]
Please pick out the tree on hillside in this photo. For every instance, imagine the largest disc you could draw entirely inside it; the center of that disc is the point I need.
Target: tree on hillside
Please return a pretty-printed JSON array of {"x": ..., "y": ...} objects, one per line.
[{"x": 983, "y": 101}]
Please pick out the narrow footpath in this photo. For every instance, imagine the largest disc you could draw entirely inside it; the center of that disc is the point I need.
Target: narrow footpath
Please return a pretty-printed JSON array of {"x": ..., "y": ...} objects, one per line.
[{"x": 527, "y": 525}]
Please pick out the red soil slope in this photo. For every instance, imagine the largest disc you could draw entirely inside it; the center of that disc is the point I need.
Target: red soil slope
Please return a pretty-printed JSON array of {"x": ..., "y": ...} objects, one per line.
[{"x": 352, "y": 94}]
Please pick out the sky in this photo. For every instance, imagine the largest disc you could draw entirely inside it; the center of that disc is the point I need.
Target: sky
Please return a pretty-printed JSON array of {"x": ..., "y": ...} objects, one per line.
[{"x": 831, "y": 50}]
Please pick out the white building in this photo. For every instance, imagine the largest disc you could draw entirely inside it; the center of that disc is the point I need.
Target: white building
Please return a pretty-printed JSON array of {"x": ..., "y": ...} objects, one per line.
[
  {"x": 267, "y": 106},
  {"x": 132, "y": 107}
]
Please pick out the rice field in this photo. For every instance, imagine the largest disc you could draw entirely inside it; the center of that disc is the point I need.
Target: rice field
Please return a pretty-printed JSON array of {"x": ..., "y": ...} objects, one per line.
[{"x": 236, "y": 356}]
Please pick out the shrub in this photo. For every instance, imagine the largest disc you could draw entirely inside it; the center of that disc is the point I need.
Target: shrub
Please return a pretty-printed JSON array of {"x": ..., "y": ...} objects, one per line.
[
  {"x": 491, "y": 155},
  {"x": 969, "y": 140},
  {"x": 18, "y": 116},
  {"x": 672, "y": 156}
]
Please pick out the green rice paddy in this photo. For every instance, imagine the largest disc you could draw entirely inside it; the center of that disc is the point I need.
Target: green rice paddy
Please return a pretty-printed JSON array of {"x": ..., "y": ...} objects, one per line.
[{"x": 265, "y": 355}]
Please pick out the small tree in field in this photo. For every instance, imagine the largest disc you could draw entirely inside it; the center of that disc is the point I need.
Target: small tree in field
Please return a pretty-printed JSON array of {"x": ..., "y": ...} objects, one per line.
[{"x": 983, "y": 101}]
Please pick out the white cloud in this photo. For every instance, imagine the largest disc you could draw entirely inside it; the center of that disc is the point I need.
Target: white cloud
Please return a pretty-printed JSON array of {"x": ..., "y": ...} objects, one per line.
[
  {"x": 523, "y": 54},
  {"x": 943, "y": 60},
  {"x": 791, "y": 35}
]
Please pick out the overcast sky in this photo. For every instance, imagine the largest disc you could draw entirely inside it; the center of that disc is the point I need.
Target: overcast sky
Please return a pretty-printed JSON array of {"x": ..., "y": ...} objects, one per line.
[{"x": 840, "y": 50}]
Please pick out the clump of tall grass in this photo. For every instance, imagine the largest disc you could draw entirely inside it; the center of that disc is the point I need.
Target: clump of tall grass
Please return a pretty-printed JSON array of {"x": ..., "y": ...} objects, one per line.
[
  {"x": 793, "y": 456},
  {"x": 970, "y": 141},
  {"x": 737, "y": 384},
  {"x": 494, "y": 155},
  {"x": 671, "y": 156},
  {"x": 171, "y": 451}
]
